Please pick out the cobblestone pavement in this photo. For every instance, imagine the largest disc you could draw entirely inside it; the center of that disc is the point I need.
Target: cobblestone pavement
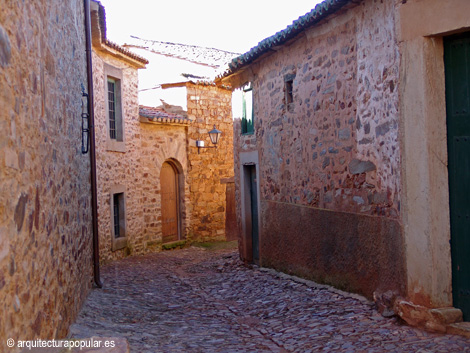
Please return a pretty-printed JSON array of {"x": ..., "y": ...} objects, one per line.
[{"x": 197, "y": 300}]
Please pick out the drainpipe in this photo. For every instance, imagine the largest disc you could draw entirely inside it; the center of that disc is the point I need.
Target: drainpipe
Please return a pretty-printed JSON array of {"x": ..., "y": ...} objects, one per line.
[{"x": 94, "y": 202}]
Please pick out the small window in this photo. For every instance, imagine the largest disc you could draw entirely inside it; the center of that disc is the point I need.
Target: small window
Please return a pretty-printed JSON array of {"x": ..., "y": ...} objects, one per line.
[
  {"x": 289, "y": 94},
  {"x": 118, "y": 214},
  {"x": 248, "y": 113},
  {"x": 289, "y": 91},
  {"x": 118, "y": 218}
]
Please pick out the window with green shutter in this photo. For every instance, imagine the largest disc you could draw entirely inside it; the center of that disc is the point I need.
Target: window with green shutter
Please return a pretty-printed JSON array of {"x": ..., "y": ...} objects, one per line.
[{"x": 248, "y": 111}]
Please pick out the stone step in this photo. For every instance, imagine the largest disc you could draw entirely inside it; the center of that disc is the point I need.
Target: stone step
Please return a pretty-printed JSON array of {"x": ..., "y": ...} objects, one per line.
[
  {"x": 459, "y": 328},
  {"x": 179, "y": 244},
  {"x": 446, "y": 316}
]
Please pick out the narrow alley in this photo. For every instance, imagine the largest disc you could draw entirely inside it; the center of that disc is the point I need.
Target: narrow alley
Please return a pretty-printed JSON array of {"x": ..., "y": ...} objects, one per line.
[{"x": 206, "y": 300}]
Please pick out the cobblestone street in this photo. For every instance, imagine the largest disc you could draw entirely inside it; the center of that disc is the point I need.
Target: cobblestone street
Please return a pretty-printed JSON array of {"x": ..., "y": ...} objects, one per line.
[{"x": 198, "y": 300}]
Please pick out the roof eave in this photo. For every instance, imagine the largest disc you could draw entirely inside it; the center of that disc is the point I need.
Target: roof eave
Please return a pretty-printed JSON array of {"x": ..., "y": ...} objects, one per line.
[
  {"x": 283, "y": 37},
  {"x": 130, "y": 59},
  {"x": 101, "y": 43},
  {"x": 164, "y": 121}
]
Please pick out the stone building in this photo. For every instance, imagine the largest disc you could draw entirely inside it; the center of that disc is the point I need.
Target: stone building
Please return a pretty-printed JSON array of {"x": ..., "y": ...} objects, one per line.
[
  {"x": 46, "y": 263},
  {"x": 117, "y": 127},
  {"x": 342, "y": 160},
  {"x": 154, "y": 186},
  {"x": 202, "y": 176}
]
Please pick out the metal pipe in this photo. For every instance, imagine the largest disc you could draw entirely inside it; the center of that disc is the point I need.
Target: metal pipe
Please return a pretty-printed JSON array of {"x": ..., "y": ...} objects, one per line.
[{"x": 94, "y": 202}]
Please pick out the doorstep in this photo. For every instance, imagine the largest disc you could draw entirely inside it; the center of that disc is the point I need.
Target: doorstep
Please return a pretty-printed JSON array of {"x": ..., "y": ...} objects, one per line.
[{"x": 459, "y": 328}]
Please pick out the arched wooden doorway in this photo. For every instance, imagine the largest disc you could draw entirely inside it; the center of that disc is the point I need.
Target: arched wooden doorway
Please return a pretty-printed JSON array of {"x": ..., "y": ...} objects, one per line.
[{"x": 170, "y": 203}]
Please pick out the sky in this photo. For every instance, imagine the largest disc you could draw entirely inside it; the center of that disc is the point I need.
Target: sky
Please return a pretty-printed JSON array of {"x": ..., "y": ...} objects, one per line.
[{"x": 235, "y": 26}]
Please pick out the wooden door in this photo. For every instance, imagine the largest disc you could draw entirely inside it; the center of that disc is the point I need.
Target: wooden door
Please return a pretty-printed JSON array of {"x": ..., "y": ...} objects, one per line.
[
  {"x": 457, "y": 69},
  {"x": 231, "y": 229},
  {"x": 169, "y": 193}
]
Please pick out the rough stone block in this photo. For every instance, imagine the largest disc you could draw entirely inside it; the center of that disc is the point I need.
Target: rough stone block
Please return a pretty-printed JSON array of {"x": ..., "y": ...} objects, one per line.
[
  {"x": 447, "y": 315},
  {"x": 430, "y": 319},
  {"x": 357, "y": 166},
  {"x": 414, "y": 315},
  {"x": 460, "y": 328}
]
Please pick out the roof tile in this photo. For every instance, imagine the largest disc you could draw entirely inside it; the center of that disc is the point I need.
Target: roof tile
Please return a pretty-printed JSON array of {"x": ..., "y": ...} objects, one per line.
[{"x": 158, "y": 115}]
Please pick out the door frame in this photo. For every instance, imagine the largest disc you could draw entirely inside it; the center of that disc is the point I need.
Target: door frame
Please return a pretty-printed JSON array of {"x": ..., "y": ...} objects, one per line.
[
  {"x": 424, "y": 199},
  {"x": 424, "y": 196}
]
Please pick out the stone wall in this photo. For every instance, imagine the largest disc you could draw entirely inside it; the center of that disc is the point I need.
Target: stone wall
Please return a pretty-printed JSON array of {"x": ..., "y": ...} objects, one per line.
[
  {"x": 45, "y": 198},
  {"x": 333, "y": 149},
  {"x": 150, "y": 144},
  {"x": 335, "y": 146},
  {"x": 162, "y": 143},
  {"x": 209, "y": 105}
]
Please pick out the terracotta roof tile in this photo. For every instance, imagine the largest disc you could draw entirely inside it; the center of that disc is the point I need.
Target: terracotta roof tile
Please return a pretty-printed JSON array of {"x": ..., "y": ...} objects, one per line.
[
  {"x": 158, "y": 115},
  {"x": 105, "y": 41}
]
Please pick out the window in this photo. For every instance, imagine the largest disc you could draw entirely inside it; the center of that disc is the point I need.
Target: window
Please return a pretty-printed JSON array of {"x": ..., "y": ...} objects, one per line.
[
  {"x": 289, "y": 91},
  {"x": 113, "y": 107},
  {"x": 289, "y": 94},
  {"x": 118, "y": 214},
  {"x": 118, "y": 217},
  {"x": 248, "y": 111}
]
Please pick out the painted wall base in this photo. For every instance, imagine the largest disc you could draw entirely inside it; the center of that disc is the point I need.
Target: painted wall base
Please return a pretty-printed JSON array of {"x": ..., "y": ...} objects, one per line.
[{"x": 353, "y": 252}]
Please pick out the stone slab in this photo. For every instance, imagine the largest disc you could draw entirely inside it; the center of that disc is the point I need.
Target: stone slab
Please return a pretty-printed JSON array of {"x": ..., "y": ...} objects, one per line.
[{"x": 459, "y": 328}]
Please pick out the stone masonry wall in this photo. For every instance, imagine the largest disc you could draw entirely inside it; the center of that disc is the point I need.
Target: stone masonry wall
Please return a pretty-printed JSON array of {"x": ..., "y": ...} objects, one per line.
[
  {"x": 335, "y": 146},
  {"x": 118, "y": 168},
  {"x": 45, "y": 197},
  {"x": 209, "y": 105},
  {"x": 332, "y": 154},
  {"x": 162, "y": 143}
]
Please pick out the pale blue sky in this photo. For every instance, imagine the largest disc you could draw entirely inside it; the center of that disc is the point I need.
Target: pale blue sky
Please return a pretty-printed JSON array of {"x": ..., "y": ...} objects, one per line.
[{"x": 235, "y": 25}]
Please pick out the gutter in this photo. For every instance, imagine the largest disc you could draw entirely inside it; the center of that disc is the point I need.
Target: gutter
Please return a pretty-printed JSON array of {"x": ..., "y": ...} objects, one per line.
[{"x": 91, "y": 126}]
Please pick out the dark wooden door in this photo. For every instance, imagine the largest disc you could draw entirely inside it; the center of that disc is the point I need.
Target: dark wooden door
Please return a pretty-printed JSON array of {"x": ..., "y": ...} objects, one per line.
[
  {"x": 169, "y": 193},
  {"x": 254, "y": 213},
  {"x": 457, "y": 69}
]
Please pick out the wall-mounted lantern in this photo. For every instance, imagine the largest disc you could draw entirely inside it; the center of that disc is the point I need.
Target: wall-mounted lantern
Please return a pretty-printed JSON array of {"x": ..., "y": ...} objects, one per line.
[
  {"x": 214, "y": 135},
  {"x": 85, "y": 122}
]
